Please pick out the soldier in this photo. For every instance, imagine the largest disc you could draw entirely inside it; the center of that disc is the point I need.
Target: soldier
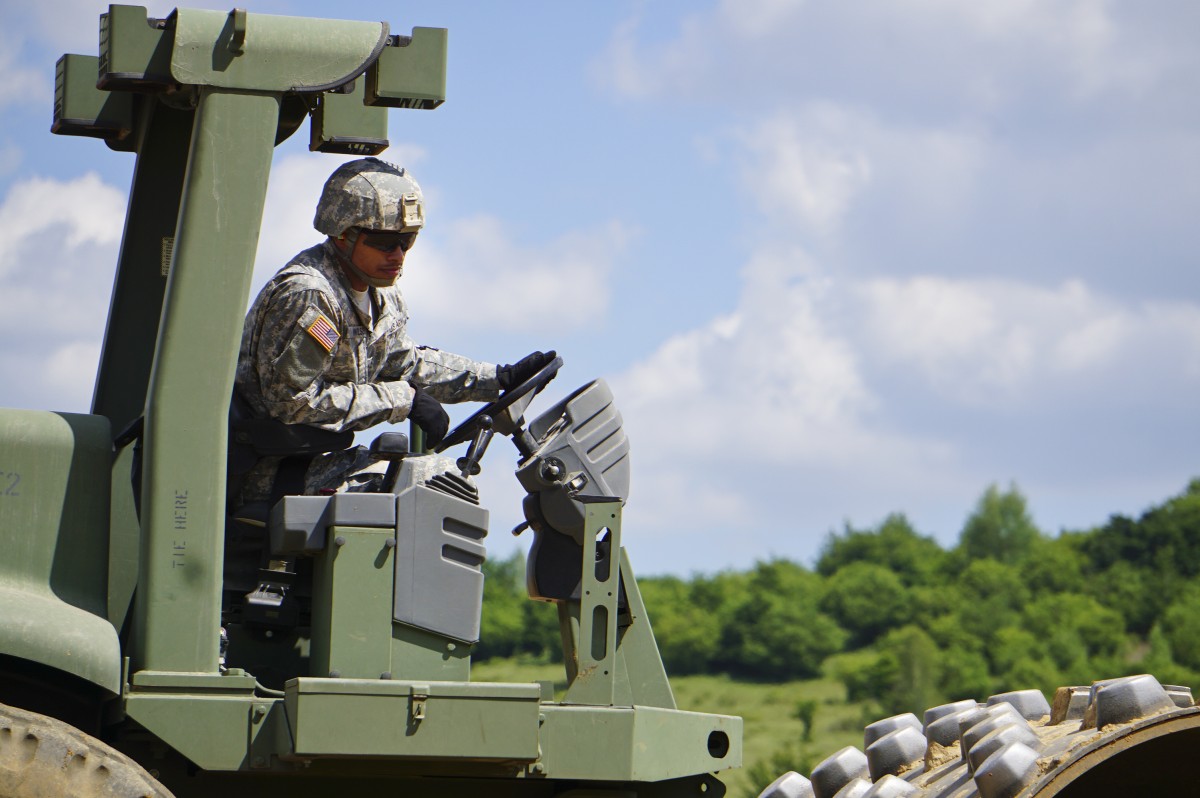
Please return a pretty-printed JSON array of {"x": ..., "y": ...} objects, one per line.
[{"x": 325, "y": 343}]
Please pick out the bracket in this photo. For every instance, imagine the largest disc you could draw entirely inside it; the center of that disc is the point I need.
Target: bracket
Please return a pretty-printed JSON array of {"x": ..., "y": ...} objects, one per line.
[{"x": 595, "y": 613}]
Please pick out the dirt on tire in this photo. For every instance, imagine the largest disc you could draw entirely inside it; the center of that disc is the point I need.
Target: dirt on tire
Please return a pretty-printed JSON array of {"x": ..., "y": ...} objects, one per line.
[{"x": 41, "y": 757}]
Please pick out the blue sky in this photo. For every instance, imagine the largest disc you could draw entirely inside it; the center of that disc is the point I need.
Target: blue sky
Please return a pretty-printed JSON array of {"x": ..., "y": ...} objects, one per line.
[{"x": 836, "y": 259}]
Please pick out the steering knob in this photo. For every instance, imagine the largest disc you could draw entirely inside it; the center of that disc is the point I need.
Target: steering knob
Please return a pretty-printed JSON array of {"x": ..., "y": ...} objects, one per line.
[{"x": 552, "y": 471}]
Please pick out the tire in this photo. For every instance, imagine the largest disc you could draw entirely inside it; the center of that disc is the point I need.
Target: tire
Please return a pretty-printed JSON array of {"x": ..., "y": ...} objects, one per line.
[
  {"x": 1117, "y": 737},
  {"x": 41, "y": 757}
]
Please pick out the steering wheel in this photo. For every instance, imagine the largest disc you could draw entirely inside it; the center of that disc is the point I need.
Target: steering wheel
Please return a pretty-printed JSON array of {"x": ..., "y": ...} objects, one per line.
[{"x": 466, "y": 430}]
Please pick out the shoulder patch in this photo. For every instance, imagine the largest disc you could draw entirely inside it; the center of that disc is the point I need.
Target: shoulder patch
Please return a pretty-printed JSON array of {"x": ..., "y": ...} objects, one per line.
[{"x": 322, "y": 330}]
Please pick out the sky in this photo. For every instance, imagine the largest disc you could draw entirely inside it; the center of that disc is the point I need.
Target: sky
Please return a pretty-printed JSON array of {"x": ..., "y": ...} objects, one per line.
[{"x": 836, "y": 259}]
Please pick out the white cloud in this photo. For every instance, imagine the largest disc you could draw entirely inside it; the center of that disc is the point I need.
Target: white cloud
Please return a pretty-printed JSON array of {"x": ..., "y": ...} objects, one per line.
[
  {"x": 869, "y": 195},
  {"x": 812, "y": 168},
  {"x": 58, "y": 248},
  {"x": 1094, "y": 341},
  {"x": 996, "y": 342},
  {"x": 801, "y": 171},
  {"x": 23, "y": 84},
  {"x": 774, "y": 393},
  {"x": 948, "y": 329},
  {"x": 41, "y": 211},
  {"x": 1081, "y": 35},
  {"x": 471, "y": 270},
  {"x": 754, "y": 18},
  {"x": 987, "y": 53},
  {"x": 619, "y": 69},
  {"x": 68, "y": 374}
]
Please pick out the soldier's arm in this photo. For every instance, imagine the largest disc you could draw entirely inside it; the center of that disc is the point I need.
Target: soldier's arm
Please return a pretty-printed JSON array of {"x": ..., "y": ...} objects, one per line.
[
  {"x": 453, "y": 378},
  {"x": 446, "y": 376},
  {"x": 297, "y": 344}
]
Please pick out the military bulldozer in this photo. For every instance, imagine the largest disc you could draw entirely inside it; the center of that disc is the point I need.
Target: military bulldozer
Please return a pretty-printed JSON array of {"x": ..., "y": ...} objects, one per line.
[{"x": 156, "y": 642}]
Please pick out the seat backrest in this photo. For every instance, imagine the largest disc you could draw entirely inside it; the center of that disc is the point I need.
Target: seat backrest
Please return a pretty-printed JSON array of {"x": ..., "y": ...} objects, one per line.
[{"x": 252, "y": 438}]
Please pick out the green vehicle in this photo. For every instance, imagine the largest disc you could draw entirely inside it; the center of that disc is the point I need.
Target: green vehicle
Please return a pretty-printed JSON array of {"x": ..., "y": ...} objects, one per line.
[{"x": 154, "y": 641}]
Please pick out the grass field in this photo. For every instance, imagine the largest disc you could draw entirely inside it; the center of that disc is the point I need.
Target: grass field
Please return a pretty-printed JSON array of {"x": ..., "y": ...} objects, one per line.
[{"x": 773, "y": 734}]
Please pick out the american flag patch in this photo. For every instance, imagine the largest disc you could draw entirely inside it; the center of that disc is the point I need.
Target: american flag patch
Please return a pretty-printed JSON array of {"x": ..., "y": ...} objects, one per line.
[{"x": 323, "y": 331}]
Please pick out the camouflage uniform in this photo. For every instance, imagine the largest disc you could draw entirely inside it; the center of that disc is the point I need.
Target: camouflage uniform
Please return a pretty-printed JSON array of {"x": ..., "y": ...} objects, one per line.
[{"x": 365, "y": 377}]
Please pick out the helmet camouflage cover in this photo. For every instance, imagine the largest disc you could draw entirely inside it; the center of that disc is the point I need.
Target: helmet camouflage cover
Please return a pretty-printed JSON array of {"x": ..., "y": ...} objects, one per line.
[{"x": 372, "y": 194}]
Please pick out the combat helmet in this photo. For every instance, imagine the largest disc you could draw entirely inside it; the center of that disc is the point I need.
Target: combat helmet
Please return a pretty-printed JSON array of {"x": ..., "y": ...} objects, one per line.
[{"x": 371, "y": 194}]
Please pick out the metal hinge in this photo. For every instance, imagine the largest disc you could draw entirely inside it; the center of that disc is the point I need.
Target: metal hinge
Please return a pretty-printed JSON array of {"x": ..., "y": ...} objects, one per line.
[{"x": 417, "y": 707}]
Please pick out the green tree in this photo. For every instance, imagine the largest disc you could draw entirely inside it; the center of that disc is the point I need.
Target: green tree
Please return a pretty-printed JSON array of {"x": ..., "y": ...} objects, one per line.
[
  {"x": 1019, "y": 661},
  {"x": 540, "y": 637},
  {"x": 1055, "y": 565},
  {"x": 688, "y": 632},
  {"x": 1000, "y": 528},
  {"x": 511, "y": 623},
  {"x": 1160, "y": 661},
  {"x": 863, "y": 673},
  {"x": 1030, "y": 672},
  {"x": 1007, "y": 608},
  {"x": 502, "y": 622},
  {"x": 806, "y": 713},
  {"x": 992, "y": 597},
  {"x": 777, "y": 631},
  {"x": 1012, "y": 645},
  {"x": 965, "y": 670},
  {"x": 1181, "y": 626},
  {"x": 948, "y": 631},
  {"x": 866, "y": 600},
  {"x": 1138, "y": 566},
  {"x": 895, "y": 545},
  {"x": 903, "y": 672},
  {"x": 965, "y": 674},
  {"x": 1165, "y": 539},
  {"x": 1140, "y": 595},
  {"x": 1083, "y": 622},
  {"x": 915, "y": 671}
]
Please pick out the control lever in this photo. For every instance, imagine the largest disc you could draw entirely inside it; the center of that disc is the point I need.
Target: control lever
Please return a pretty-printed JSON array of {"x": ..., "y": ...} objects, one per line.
[
  {"x": 469, "y": 465},
  {"x": 392, "y": 447}
]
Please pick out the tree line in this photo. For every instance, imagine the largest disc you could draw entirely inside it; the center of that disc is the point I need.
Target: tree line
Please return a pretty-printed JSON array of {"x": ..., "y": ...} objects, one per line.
[{"x": 903, "y": 621}]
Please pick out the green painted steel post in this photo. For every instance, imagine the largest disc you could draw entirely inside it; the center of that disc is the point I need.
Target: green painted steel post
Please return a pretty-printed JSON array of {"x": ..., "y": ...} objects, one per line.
[
  {"x": 183, "y": 488},
  {"x": 164, "y": 135}
]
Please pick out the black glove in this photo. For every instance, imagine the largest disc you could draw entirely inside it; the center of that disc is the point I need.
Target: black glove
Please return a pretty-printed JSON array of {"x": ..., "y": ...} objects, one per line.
[
  {"x": 428, "y": 414},
  {"x": 512, "y": 375}
]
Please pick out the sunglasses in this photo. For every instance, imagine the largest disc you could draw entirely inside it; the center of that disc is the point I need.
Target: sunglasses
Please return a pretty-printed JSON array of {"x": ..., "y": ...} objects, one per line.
[{"x": 387, "y": 241}]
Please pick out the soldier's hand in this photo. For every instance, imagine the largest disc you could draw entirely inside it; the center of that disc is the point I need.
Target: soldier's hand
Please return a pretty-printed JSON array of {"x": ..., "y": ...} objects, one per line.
[
  {"x": 510, "y": 376},
  {"x": 429, "y": 415}
]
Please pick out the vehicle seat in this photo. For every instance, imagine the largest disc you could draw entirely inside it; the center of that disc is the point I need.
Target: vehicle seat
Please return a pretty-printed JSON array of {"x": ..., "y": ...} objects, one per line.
[{"x": 247, "y": 552}]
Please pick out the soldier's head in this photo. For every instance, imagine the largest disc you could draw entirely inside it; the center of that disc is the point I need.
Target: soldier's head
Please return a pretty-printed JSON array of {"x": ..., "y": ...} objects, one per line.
[{"x": 372, "y": 211}]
